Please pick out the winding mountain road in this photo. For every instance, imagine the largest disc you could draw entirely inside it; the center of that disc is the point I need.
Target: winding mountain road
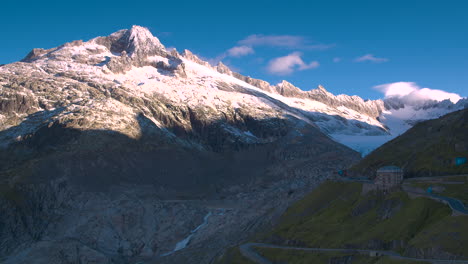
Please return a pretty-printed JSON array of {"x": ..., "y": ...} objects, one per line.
[
  {"x": 455, "y": 204},
  {"x": 250, "y": 253}
]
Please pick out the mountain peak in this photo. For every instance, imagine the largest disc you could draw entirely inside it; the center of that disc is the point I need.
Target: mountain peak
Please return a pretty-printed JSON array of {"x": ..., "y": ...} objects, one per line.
[
  {"x": 287, "y": 89},
  {"x": 137, "y": 42},
  {"x": 187, "y": 53},
  {"x": 285, "y": 83},
  {"x": 320, "y": 87},
  {"x": 140, "y": 31},
  {"x": 190, "y": 56},
  {"x": 140, "y": 41},
  {"x": 321, "y": 90},
  {"x": 222, "y": 68},
  {"x": 139, "y": 34}
]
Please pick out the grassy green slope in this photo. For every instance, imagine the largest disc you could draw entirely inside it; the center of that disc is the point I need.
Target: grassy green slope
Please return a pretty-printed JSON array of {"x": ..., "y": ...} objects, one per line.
[
  {"x": 449, "y": 189},
  {"x": 428, "y": 148},
  {"x": 336, "y": 215},
  {"x": 233, "y": 256},
  {"x": 307, "y": 257}
]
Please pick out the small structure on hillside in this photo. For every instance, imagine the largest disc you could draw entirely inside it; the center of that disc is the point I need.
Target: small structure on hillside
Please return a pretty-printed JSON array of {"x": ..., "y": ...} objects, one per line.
[
  {"x": 460, "y": 161},
  {"x": 388, "y": 177},
  {"x": 429, "y": 190},
  {"x": 343, "y": 173}
]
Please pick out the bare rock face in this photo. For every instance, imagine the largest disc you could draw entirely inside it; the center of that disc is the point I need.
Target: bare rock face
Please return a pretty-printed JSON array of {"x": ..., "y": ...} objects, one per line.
[
  {"x": 175, "y": 66},
  {"x": 136, "y": 46},
  {"x": 113, "y": 150},
  {"x": 266, "y": 86},
  {"x": 289, "y": 90},
  {"x": 190, "y": 56},
  {"x": 35, "y": 53},
  {"x": 137, "y": 42},
  {"x": 221, "y": 68},
  {"x": 17, "y": 103},
  {"x": 120, "y": 64}
]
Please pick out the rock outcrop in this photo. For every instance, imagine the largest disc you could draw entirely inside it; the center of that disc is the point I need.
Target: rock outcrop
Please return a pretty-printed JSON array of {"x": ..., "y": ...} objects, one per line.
[{"x": 114, "y": 150}]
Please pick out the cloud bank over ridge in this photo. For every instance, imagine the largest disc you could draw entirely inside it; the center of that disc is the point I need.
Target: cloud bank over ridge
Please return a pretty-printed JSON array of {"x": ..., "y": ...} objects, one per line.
[{"x": 411, "y": 92}]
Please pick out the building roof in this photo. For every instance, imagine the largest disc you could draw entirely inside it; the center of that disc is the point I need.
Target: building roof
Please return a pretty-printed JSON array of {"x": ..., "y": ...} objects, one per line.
[{"x": 390, "y": 169}]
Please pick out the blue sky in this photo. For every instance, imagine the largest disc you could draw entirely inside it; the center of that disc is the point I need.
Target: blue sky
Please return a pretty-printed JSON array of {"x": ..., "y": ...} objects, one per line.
[{"x": 347, "y": 46}]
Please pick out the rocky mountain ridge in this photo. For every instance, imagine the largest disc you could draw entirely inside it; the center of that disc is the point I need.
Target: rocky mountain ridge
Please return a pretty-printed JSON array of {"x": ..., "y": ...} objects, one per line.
[
  {"x": 382, "y": 119},
  {"x": 136, "y": 60},
  {"x": 114, "y": 150}
]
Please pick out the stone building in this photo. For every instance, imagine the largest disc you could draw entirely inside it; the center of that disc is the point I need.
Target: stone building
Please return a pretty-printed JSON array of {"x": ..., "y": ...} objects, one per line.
[{"x": 388, "y": 177}]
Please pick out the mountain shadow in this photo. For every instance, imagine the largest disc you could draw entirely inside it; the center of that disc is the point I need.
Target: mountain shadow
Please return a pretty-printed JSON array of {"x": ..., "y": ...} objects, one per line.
[{"x": 95, "y": 160}]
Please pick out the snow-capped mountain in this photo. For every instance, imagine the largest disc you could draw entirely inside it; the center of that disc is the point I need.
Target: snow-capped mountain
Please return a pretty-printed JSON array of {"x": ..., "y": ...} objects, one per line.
[
  {"x": 135, "y": 62},
  {"x": 397, "y": 117},
  {"x": 116, "y": 150},
  {"x": 362, "y": 125}
]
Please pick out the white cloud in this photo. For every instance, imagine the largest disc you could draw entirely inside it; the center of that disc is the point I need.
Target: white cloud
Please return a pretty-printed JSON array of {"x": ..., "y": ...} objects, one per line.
[
  {"x": 371, "y": 58},
  {"x": 288, "y": 64},
  {"x": 240, "y": 51},
  {"x": 311, "y": 65},
  {"x": 411, "y": 92},
  {"x": 236, "y": 52},
  {"x": 336, "y": 59},
  {"x": 283, "y": 41},
  {"x": 246, "y": 46}
]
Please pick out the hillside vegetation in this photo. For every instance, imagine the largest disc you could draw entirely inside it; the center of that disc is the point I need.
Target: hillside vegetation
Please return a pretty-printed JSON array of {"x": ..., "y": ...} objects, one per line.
[
  {"x": 427, "y": 149},
  {"x": 336, "y": 215},
  {"x": 304, "y": 257},
  {"x": 452, "y": 186}
]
